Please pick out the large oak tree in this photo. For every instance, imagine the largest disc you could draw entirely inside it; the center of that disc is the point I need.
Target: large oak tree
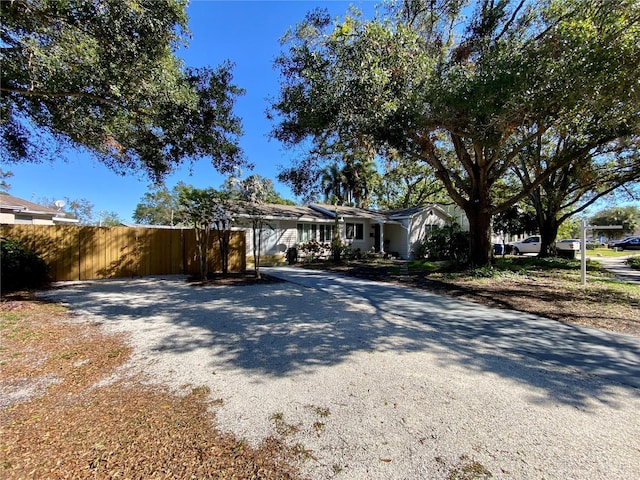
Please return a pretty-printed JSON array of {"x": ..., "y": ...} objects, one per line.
[
  {"x": 578, "y": 185},
  {"x": 456, "y": 87}
]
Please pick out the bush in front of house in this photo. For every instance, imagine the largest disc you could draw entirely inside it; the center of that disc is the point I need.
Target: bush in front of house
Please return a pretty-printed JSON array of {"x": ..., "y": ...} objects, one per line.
[
  {"x": 592, "y": 245},
  {"x": 313, "y": 250},
  {"x": 292, "y": 255},
  {"x": 634, "y": 262},
  {"x": 339, "y": 251},
  {"x": 444, "y": 243},
  {"x": 20, "y": 267}
]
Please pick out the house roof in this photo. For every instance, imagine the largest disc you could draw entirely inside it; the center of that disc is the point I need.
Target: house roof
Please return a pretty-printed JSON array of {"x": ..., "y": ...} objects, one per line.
[
  {"x": 282, "y": 212},
  {"x": 352, "y": 212},
  {"x": 404, "y": 212},
  {"x": 325, "y": 212},
  {"x": 410, "y": 212},
  {"x": 378, "y": 215},
  {"x": 9, "y": 203}
]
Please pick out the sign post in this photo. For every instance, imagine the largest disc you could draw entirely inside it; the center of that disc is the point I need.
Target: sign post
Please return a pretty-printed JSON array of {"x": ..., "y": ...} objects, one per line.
[{"x": 583, "y": 246}]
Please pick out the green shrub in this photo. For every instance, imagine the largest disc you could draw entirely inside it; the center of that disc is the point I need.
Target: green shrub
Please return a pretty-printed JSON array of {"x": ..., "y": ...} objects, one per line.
[
  {"x": 340, "y": 251},
  {"x": 420, "y": 250},
  {"x": 444, "y": 243},
  {"x": 634, "y": 262},
  {"x": 525, "y": 264},
  {"x": 358, "y": 254},
  {"x": 20, "y": 267},
  {"x": 487, "y": 271},
  {"x": 422, "y": 266},
  {"x": 547, "y": 263},
  {"x": 292, "y": 255}
]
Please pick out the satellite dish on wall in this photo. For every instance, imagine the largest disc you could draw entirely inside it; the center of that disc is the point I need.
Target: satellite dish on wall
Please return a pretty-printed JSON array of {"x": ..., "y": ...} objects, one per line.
[{"x": 59, "y": 204}]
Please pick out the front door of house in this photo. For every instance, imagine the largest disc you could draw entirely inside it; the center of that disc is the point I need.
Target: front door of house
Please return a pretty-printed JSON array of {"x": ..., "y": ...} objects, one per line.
[{"x": 376, "y": 237}]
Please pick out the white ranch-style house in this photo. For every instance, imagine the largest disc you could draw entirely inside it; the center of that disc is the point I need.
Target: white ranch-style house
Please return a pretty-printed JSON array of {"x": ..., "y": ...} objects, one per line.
[{"x": 391, "y": 232}]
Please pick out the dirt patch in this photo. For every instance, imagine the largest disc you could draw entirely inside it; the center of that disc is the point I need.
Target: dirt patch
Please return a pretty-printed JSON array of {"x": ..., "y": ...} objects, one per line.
[
  {"x": 591, "y": 306},
  {"x": 58, "y": 421},
  {"x": 234, "y": 279}
]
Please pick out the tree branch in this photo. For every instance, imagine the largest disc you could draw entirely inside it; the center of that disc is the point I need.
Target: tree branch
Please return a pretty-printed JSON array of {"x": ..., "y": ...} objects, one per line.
[
  {"x": 561, "y": 163},
  {"x": 428, "y": 154},
  {"x": 588, "y": 203},
  {"x": 511, "y": 20}
]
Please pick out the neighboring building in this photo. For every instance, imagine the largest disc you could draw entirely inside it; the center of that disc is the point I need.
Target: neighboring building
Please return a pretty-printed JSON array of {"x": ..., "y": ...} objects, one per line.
[
  {"x": 391, "y": 232},
  {"x": 14, "y": 211}
]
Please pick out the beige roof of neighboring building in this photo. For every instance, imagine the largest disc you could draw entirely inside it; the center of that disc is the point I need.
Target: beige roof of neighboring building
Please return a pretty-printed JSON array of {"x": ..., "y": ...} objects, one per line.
[{"x": 9, "y": 203}]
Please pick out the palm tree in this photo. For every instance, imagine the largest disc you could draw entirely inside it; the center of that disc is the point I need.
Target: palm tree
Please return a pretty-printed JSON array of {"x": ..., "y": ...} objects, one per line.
[
  {"x": 333, "y": 184},
  {"x": 361, "y": 175}
]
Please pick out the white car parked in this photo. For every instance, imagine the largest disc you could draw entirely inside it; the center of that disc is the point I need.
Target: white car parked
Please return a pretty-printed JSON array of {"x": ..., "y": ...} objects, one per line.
[
  {"x": 569, "y": 244},
  {"x": 532, "y": 245},
  {"x": 528, "y": 245}
]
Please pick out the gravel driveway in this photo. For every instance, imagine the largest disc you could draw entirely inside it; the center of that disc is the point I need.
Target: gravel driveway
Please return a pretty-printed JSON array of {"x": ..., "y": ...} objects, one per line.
[{"x": 382, "y": 382}]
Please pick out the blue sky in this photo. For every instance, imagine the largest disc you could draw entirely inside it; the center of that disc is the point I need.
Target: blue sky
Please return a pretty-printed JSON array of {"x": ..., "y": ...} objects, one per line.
[{"x": 245, "y": 32}]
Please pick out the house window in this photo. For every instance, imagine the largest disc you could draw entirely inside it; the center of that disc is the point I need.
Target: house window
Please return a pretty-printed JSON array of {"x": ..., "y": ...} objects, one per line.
[
  {"x": 325, "y": 233},
  {"x": 429, "y": 228},
  {"x": 306, "y": 232},
  {"x": 23, "y": 219},
  {"x": 309, "y": 231},
  {"x": 355, "y": 231}
]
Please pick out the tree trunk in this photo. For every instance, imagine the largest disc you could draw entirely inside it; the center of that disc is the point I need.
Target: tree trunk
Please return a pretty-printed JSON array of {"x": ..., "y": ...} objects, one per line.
[
  {"x": 202, "y": 240},
  {"x": 224, "y": 237},
  {"x": 336, "y": 243},
  {"x": 257, "y": 245},
  {"x": 479, "y": 234},
  {"x": 548, "y": 234},
  {"x": 474, "y": 198}
]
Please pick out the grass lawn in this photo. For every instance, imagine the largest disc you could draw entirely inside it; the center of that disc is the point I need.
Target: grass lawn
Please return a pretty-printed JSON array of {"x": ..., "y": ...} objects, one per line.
[{"x": 608, "y": 252}]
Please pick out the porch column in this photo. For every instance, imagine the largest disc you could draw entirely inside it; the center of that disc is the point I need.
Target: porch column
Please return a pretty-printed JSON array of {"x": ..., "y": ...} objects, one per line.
[
  {"x": 381, "y": 237},
  {"x": 407, "y": 226}
]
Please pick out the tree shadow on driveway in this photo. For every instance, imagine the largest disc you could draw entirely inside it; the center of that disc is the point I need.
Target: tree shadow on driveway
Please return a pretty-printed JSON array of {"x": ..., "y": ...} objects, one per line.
[{"x": 287, "y": 329}]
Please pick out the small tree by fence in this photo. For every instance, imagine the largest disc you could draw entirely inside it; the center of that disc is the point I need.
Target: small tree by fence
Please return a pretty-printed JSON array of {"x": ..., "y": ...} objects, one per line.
[
  {"x": 203, "y": 209},
  {"x": 253, "y": 192},
  {"x": 86, "y": 253}
]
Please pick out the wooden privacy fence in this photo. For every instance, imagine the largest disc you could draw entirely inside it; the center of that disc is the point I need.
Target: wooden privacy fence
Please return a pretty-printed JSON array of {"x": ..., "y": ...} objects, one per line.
[{"x": 87, "y": 253}]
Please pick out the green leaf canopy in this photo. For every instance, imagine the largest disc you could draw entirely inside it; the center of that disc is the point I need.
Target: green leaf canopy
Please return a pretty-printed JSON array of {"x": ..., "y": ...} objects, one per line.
[
  {"x": 464, "y": 89},
  {"x": 102, "y": 75}
]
